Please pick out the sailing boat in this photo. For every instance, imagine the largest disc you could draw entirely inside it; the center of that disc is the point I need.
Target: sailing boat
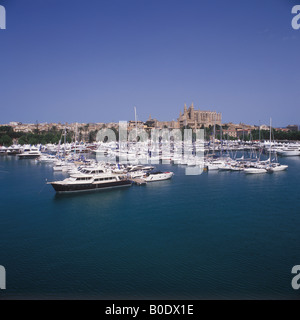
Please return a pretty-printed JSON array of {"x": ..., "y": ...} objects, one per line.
[
  {"x": 271, "y": 167},
  {"x": 260, "y": 167},
  {"x": 275, "y": 166}
]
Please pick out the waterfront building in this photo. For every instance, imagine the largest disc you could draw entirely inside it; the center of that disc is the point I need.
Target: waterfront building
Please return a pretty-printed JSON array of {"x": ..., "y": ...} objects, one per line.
[
  {"x": 154, "y": 123},
  {"x": 294, "y": 127}
]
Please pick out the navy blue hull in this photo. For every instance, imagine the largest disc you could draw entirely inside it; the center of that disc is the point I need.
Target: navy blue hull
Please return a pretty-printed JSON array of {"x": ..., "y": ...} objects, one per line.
[{"x": 89, "y": 186}]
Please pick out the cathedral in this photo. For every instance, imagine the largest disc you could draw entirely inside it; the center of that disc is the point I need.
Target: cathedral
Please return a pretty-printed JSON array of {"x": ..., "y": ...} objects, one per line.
[{"x": 195, "y": 119}]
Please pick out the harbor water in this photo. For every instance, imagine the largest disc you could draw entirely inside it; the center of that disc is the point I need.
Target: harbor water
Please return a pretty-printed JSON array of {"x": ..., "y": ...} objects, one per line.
[{"x": 218, "y": 235}]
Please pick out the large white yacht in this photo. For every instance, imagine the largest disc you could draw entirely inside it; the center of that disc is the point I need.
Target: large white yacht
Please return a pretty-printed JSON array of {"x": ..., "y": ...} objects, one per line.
[
  {"x": 289, "y": 152},
  {"x": 29, "y": 153},
  {"x": 90, "y": 182}
]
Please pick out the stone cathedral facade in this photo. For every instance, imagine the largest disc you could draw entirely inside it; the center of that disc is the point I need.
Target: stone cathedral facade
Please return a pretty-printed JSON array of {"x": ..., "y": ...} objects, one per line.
[{"x": 195, "y": 119}]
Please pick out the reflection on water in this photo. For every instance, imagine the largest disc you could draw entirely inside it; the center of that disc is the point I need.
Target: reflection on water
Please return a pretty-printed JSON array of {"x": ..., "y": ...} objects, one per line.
[
  {"x": 158, "y": 184},
  {"x": 97, "y": 195},
  {"x": 189, "y": 237}
]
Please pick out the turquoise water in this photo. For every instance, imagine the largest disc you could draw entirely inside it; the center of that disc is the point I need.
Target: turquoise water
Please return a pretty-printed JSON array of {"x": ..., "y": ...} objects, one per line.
[{"x": 218, "y": 235}]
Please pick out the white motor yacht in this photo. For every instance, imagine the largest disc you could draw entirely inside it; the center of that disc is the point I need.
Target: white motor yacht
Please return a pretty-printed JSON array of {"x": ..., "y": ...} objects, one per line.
[
  {"x": 158, "y": 176},
  {"x": 29, "y": 153},
  {"x": 46, "y": 158},
  {"x": 275, "y": 167},
  {"x": 90, "y": 182},
  {"x": 255, "y": 170},
  {"x": 289, "y": 152}
]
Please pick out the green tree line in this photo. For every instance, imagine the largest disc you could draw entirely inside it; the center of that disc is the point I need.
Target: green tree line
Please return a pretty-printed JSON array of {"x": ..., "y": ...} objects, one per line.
[
  {"x": 8, "y": 135},
  {"x": 53, "y": 135},
  {"x": 276, "y": 135}
]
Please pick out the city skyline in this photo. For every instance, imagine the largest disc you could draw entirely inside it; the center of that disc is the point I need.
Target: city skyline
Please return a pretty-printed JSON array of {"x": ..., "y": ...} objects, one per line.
[
  {"x": 186, "y": 117},
  {"x": 69, "y": 62}
]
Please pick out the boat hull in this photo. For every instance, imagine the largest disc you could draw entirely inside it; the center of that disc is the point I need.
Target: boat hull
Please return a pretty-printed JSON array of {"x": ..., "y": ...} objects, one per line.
[
  {"x": 68, "y": 188},
  {"x": 291, "y": 153},
  {"x": 28, "y": 156},
  {"x": 255, "y": 171}
]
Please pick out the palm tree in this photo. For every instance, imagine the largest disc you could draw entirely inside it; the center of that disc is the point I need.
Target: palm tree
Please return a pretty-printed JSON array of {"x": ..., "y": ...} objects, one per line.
[
  {"x": 86, "y": 129},
  {"x": 80, "y": 133}
]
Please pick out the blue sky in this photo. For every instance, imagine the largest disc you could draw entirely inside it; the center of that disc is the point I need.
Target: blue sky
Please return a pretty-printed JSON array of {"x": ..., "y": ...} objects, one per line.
[{"x": 94, "y": 60}]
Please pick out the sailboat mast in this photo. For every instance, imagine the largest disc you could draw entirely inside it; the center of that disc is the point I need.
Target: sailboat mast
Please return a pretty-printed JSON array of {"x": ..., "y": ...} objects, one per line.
[
  {"x": 75, "y": 139},
  {"x": 270, "y": 140},
  {"x": 221, "y": 138},
  {"x": 65, "y": 140},
  {"x": 135, "y": 121},
  {"x": 76, "y": 133},
  {"x": 214, "y": 135}
]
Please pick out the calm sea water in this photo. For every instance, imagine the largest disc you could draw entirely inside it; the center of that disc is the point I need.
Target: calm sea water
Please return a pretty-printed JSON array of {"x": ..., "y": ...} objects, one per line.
[{"x": 218, "y": 235}]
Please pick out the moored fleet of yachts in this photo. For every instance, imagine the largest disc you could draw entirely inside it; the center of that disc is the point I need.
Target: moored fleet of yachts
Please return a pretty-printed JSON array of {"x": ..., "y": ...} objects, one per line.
[{"x": 120, "y": 166}]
